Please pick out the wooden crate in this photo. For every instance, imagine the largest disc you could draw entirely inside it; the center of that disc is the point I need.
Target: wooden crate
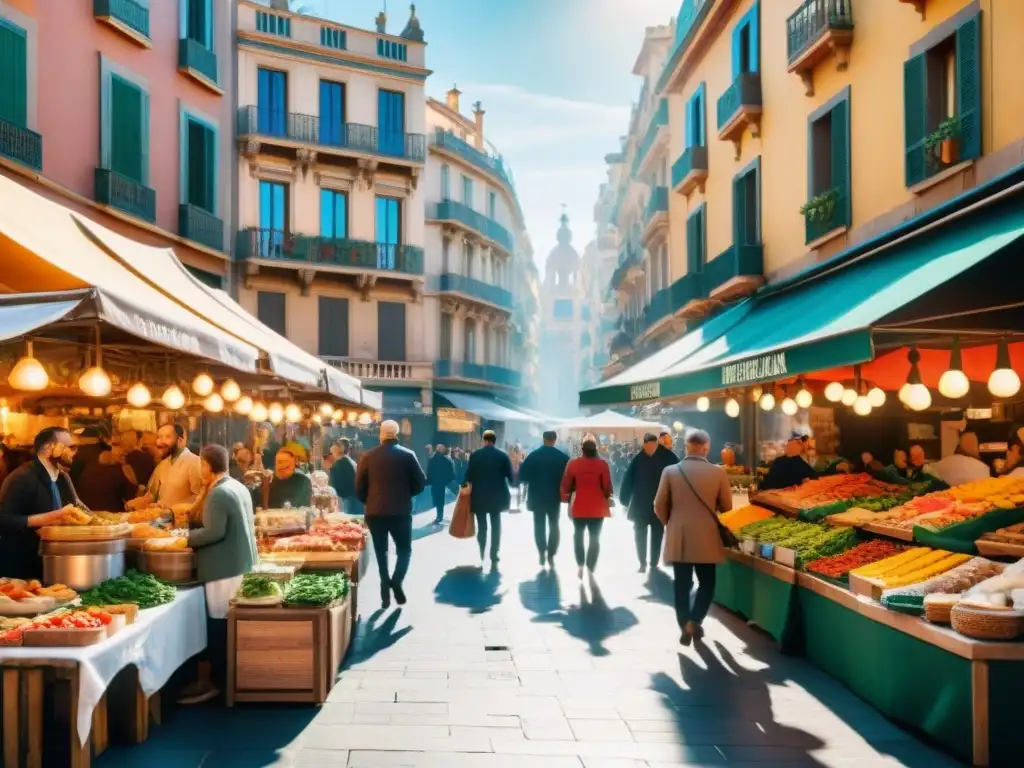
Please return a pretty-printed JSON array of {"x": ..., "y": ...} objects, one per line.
[{"x": 286, "y": 654}]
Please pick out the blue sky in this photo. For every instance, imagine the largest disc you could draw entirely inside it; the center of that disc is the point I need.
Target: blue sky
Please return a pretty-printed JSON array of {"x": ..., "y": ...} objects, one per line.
[{"x": 555, "y": 80}]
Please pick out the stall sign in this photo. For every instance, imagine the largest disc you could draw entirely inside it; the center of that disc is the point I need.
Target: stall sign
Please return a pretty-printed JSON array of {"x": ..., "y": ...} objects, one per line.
[
  {"x": 650, "y": 390},
  {"x": 454, "y": 420},
  {"x": 770, "y": 366}
]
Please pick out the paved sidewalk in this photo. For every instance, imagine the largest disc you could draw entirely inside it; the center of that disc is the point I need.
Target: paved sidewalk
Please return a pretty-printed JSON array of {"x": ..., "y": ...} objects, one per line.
[{"x": 533, "y": 669}]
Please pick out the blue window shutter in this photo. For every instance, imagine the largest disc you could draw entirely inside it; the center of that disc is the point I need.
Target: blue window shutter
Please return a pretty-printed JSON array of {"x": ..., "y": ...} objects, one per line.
[
  {"x": 701, "y": 117},
  {"x": 209, "y": 23},
  {"x": 737, "y": 38},
  {"x": 129, "y": 138},
  {"x": 14, "y": 81},
  {"x": 445, "y": 182},
  {"x": 968, "y": 87},
  {"x": 755, "y": 37},
  {"x": 689, "y": 121},
  {"x": 210, "y": 159},
  {"x": 326, "y": 214},
  {"x": 915, "y": 117}
]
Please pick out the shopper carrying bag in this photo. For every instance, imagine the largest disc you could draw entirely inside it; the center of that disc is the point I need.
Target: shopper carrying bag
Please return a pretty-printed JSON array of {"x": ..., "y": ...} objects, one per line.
[{"x": 463, "y": 526}]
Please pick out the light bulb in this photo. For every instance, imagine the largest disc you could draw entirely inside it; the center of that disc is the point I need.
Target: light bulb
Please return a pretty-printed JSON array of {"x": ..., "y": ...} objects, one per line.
[
  {"x": 138, "y": 395},
  {"x": 4, "y": 409},
  {"x": 275, "y": 413},
  {"x": 804, "y": 398},
  {"x": 1004, "y": 382},
  {"x": 317, "y": 418},
  {"x": 244, "y": 405},
  {"x": 173, "y": 398},
  {"x": 703, "y": 404},
  {"x": 94, "y": 382},
  {"x": 767, "y": 401},
  {"x": 834, "y": 392},
  {"x": 876, "y": 397},
  {"x": 326, "y": 409},
  {"x": 28, "y": 375},
  {"x": 338, "y": 416},
  {"x": 862, "y": 405},
  {"x": 230, "y": 391},
  {"x": 677, "y": 426},
  {"x": 293, "y": 413},
  {"x": 365, "y": 418},
  {"x": 732, "y": 408},
  {"x": 954, "y": 384},
  {"x": 352, "y": 416},
  {"x": 902, "y": 394},
  {"x": 202, "y": 384},
  {"x": 214, "y": 403},
  {"x": 755, "y": 394},
  {"x": 789, "y": 406},
  {"x": 918, "y": 398},
  {"x": 258, "y": 413},
  {"x": 849, "y": 396}
]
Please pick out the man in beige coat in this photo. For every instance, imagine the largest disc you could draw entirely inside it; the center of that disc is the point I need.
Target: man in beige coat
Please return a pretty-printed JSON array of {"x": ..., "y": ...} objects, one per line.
[{"x": 689, "y": 497}]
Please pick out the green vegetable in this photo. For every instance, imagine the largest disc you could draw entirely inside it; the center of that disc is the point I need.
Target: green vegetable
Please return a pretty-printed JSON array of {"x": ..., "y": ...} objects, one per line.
[
  {"x": 255, "y": 586},
  {"x": 316, "y": 589},
  {"x": 141, "y": 589}
]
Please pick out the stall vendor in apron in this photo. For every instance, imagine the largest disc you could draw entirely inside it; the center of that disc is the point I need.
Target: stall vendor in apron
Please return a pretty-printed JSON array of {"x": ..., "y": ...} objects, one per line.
[{"x": 177, "y": 479}]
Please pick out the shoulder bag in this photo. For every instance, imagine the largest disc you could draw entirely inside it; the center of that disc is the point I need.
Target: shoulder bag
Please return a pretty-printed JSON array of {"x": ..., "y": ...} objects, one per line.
[{"x": 729, "y": 540}]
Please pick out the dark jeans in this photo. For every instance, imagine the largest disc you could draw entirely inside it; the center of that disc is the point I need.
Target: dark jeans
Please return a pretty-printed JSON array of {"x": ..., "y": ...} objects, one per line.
[
  {"x": 657, "y": 533},
  {"x": 217, "y": 650},
  {"x": 592, "y": 525},
  {"x": 545, "y": 531},
  {"x": 481, "y": 533},
  {"x": 437, "y": 495},
  {"x": 399, "y": 528},
  {"x": 705, "y": 591}
]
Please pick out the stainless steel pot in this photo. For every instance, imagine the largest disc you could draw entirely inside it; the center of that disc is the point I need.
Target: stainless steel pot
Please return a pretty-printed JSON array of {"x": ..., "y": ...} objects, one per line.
[
  {"x": 81, "y": 572},
  {"x": 174, "y": 567}
]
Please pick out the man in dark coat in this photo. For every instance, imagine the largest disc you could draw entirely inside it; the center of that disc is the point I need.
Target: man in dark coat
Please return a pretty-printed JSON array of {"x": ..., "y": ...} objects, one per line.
[
  {"x": 790, "y": 469},
  {"x": 664, "y": 450},
  {"x": 388, "y": 478},
  {"x": 489, "y": 474},
  {"x": 33, "y": 496},
  {"x": 541, "y": 472},
  {"x": 639, "y": 486},
  {"x": 440, "y": 474},
  {"x": 343, "y": 475}
]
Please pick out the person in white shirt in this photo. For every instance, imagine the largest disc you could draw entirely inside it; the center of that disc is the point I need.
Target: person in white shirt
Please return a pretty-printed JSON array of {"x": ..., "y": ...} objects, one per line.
[
  {"x": 178, "y": 478},
  {"x": 964, "y": 466},
  {"x": 1014, "y": 464}
]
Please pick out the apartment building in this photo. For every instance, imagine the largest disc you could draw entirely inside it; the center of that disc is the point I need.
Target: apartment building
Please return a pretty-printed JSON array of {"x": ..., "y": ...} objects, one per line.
[
  {"x": 600, "y": 259},
  {"x": 120, "y": 109}
]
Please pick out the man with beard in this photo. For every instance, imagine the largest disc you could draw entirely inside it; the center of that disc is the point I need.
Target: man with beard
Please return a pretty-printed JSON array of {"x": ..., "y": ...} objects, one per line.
[
  {"x": 33, "y": 496},
  {"x": 178, "y": 477}
]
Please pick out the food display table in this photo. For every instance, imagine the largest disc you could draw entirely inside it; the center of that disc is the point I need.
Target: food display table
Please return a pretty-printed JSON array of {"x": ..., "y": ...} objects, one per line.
[
  {"x": 759, "y": 590},
  {"x": 158, "y": 643}
]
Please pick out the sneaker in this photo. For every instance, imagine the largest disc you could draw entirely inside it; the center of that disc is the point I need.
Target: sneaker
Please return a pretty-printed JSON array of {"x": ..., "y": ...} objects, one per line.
[
  {"x": 197, "y": 693},
  {"x": 399, "y": 593}
]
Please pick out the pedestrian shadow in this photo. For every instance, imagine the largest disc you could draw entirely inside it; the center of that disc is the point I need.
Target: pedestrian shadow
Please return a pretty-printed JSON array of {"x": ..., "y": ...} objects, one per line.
[
  {"x": 660, "y": 587},
  {"x": 542, "y": 594},
  {"x": 371, "y": 639},
  {"x": 429, "y": 529},
  {"x": 470, "y": 588},
  {"x": 592, "y": 620}
]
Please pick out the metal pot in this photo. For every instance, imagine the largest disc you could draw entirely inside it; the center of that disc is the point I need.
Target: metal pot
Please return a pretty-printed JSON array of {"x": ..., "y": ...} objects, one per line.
[
  {"x": 81, "y": 572},
  {"x": 175, "y": 567}
]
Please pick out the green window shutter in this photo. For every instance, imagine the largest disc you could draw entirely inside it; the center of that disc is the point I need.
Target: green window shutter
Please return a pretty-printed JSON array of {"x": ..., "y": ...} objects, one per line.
[
  {"x": 144, "y": 137},
  {"x": 126, "y": 110},
  {"x": 841, "y": 161},
  {"x": 915, "y": 118},
  {"x": 695, "y": 241},
  {"x": 210, "y": 162},
  {"x": 739, "y": 210},
  {"x": 14, "y": 81},
  {"x": 968, "y": 87}
]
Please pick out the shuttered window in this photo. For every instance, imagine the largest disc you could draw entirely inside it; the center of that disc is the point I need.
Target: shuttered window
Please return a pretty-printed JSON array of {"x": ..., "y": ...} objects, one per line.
[
  {"x": 199, "y": 22},
  {"x": 332, "y": 114},
  {"x": 696, "y": 131},
  {"x": 333, "y": 214},
  {"x": 13, "y": 74},
  {"x": 270, "y": 309},
  {"x": 200, "y": 164},
  {"x": 333, "y": 326},
  {"x": 696, "y": 247},
  {"x": 746, "y": 205},
  {"x": 746, "y": 43},
  {"x": 390, "y": 330},
  {"x": 129, "y": 130},
  {"x": 828, "y": 140},
  {"x": 446, "y": 337}
]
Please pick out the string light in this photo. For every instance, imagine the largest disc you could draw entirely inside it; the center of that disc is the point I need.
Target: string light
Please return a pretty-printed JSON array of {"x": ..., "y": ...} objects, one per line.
[
  {"x": 804, "y": 398},
  {"x": 703, "y": 403},
  {"x": 202, "y": 384},
  {"x": 732, "y": 408},
  {"x": 138, "y": 395},
  {"x": 244, "y": 405},
  {"x": 94, "y": 382},
  {"x": 28, "y": 374},
  {"x": 1004, "y": 381},
  {"x": 326, "y": 410},
  {"x": 849, "y": 397},
  {"x": 259, "y": 413},
  {"x": 767, "y": 401},
  {"x": 173, "y": 398},
  {"x": 230, "y": 391},
  {"x": 214, "y": 403},
  {"x": 293, "y": 413},
  {"x": 917, "y": 397},
  {"x": 834, "y": 392},
  {"x": 876, "y": 396}
]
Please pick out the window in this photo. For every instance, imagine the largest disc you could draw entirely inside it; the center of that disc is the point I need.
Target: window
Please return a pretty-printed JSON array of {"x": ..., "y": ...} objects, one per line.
[
  {"x": 446, "y": 336},
  {"x": 942, "y": 97},
  {"x": 199, "y": 163},
  {"x": 391, "y": 123},
  {"x": 333, "y": 38},
  {"x": 563, "y": 310},
  {"x": 746, "y": 205},
  {"x": 333, "y": 214},
  {"x": 390, "y": 331},
  {"x": 332, "y": 114},
  {"x": 491, "y": 204},
  {"x": 273, "y": 218},
  {"x": 468, "y": 256},
  {"x": 198, "y": 21},
  {"x": 446, "y": 182},
  {"x": 389, "y": 231},
  {"x": 696, "y": 247},
  {"x": 124, "y": 135},
  {"x": 467, "y": 191},
  {"x": 270, "y": 309},
  {"x": 14, "y": 84},
  {"x": 333, "y": 326},
  {"x": 828, "y": 167},
  {"x": 272, "y": 107},
  {"x": 469, "y": 341},
  {"x": 445, "y": 255},
  {"x": 389, "y": 49},
  {"x": 272, "y": 24},
  {"x": 746, "y": 54},
  {"x": 696, "y": 134}
]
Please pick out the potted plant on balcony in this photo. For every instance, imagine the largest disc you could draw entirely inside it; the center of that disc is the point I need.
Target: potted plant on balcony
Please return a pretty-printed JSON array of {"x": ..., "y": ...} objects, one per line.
[
  {"x": 942, "y": 146},
  {"x": 820, "y": 207}
]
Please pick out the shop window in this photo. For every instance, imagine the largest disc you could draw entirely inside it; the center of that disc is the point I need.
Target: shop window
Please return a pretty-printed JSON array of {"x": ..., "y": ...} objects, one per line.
[
  {"x": 199, "y": 163},
  {"x": 828, "y": 204},
  {"x": 270, "y": 309},
  {"x": 696, "y": 247},
  {"x": 333, "y": 214},
  {"x": 333, "y": 328},
  {"x": 332, "y": 114},
  {"x": 390, "y": 331},
  {"x": 746, "y": 201},
  {"x": 272, "y": 102}
]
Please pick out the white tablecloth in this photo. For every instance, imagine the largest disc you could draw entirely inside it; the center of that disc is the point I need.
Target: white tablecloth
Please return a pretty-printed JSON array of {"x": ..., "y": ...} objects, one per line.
[{"x": 158, "y": 643}]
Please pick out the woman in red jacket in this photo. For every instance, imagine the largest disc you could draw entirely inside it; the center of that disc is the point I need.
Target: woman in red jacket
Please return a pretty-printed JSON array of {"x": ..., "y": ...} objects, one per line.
[{"x": 587, "y": 486}]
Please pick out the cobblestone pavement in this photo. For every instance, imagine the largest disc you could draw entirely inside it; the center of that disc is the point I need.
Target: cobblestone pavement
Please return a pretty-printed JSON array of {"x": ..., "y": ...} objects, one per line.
[{"x": 529, "y": 668}]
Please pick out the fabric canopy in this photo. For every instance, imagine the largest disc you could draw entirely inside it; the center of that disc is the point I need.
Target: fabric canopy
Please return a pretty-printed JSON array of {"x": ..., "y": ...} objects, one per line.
[
  {"x": 823, "y": 323},
  {"x": 484, "y": 407},
  {"x": 20, "y": 319},
  {"x": 610, "y": 421}
]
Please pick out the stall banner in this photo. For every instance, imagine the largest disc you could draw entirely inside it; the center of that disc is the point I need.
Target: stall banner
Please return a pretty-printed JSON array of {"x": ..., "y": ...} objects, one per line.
[{"x": 454, "y": 420}]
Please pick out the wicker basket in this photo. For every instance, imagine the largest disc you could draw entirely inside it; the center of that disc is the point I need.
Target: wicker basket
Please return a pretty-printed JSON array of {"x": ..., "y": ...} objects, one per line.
[
  {"x": 982, "y": 624},
  {"x": 938, "y": 613}
]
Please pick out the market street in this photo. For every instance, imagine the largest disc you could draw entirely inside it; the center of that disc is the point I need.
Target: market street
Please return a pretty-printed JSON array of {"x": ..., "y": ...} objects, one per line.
[{"x": 530, "y": 670}]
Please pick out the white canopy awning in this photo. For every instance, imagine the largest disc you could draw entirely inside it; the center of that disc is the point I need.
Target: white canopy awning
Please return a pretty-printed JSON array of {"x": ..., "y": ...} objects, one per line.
[
  {"x": 610, "y": 422},
  {"x": 20, "y": 319}
]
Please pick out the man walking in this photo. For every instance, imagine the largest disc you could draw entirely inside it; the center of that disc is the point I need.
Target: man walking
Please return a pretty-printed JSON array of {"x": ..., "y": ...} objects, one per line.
[
  {"x": 489, "y": 474},
  {"x": 639, "y": 485},
  {"x": 440, "y": 474},
  {"x": 388, "y": 478},
  {"x": 541, "y": 472},
  {"x": 665, "y": 446}
]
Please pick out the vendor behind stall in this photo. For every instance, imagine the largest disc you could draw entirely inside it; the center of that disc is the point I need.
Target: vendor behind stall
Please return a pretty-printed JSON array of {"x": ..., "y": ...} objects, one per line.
[
  {"x": 33, "y": 496},
  {"x": 964, "y": 466},
  {"x": 289, "y": 485},
  {"x": 790, "y": 469},
  {"x": 177, "y": 479}
]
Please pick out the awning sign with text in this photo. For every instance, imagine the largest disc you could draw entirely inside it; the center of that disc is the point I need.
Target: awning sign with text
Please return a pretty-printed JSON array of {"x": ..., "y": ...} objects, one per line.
[
  {"x": 771, "y": 366},
  {"x": 650, "y": 390}
]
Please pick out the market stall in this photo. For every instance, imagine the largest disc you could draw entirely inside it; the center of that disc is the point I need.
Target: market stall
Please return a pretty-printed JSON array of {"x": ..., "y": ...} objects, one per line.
[{"x": 610, "y": 423}]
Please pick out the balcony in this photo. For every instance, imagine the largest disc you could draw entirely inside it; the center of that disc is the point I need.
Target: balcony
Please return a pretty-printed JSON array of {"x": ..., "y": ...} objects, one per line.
[
  {"x": 629, "y": 268},
  {"x": 466, "y": 217},
  {"x": 736, "y": 272},
  {"x": 655, "y": 215},
  {"x": 201, "y": 226},
  {"x": 489, "y": 374},
  {"x": 198, "y": 62},
  {"x": 21, "y": 145},
  {"x": 289, "y": 128},
  {"x": 382, "y": 371},
  {"x": 659, "y": 308},
  {"x": 117, "y": 191},
  {"x": 818, "y": 29},
  {"x": 449, "y": 142},
  {"x": 451, "y": 282},
  {"x": 690, "y": 171},
  {"x": 688, "y": 20},
  {"x": 653, "y": 135},
  {"x": 131, "y": 19},
  {"x": 273, "y": 245},
  {"x": 739, "y": 107},
  {"x": 688, "y": 295}
]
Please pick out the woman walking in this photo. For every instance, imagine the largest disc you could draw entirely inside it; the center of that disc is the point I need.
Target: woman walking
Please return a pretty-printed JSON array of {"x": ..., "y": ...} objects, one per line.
[
  {"x": 689, "y": 498},
  {"x": 587, "y": 486}
]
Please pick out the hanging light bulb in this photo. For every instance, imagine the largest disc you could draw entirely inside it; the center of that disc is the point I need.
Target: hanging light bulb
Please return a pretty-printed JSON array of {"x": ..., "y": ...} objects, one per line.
[
  {"x": 293, "y": 413},
  {"x": 804, "y": 398},
  {"x": 789, "y": 406},
  {"x": 4, "y": 409},
  {"x": 230, "y": 391},
  {"x": 258, "y": 413},
  {"x": 876, "y": 397},
  {"x": 902, "y": 394},
  {"x": 849, "y": 396},
  {"x": 326, "y": 409},
  {"x": 703, "y": 403},
  {"x": 1004, "y": 381},
  {"x": 732, "y": 408},
  {"x": 338, "y": 416},
  {"x": 834, "y": 392},
  {"x": 916, "y": 397},
  {"x": 767, "y": 401},
  {"x": 214, "y": 403},
  {"x": 953, "y": 383},
  {"x": 275, "y": 413},
  {"x": 28, "y": 374},
  {"x": 202, "y": 384},
  {"x": 94, "y": 382},
  {"x": 138, "y": 395},
  {"x": 317, "y": 418},
  {"x": 173, "y": 398},
  {"x": 365, "y": 418},
  {"x": 244, "y": 405},
  {"x": 862, "y": 405},
  {"x": 352, "y": 416}
]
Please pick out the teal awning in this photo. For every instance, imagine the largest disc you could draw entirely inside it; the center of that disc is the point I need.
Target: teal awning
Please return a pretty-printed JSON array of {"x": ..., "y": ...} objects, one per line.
[
  {"x": 825, "y": 322},
  {"x": 484, "y": 407}
]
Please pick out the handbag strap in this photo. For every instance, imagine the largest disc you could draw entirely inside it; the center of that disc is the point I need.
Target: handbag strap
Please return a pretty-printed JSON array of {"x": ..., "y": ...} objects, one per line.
[{"x": 703, "y": 503}]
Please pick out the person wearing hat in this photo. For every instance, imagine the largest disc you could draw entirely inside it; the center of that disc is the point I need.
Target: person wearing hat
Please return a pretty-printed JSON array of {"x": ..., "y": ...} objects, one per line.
[
  {"x": 636, "y": 493},
  {"x": 790, "y": 469}
]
